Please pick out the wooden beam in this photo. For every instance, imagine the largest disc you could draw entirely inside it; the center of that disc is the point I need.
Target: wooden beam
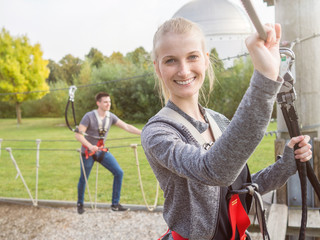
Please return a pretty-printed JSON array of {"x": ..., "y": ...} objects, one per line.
[
  {"x": 281, "y": 193},
  {"x": 313, "y": 222},
  {"x": 277, "y": 218},
  {"x": 277, "y": 221}
]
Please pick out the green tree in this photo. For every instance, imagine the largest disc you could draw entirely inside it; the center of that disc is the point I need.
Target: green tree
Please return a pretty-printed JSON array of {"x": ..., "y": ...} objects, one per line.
[
  {"x": 56, "y": 73},
  {"x": 218, "y": 65},
  {"x": 22, "y": 69},
  {"x": 230, "y": 86},
  {"x": 140, "y": 58},
  {"x": 70, "y": 67},
  {"x": 96, "y": 57}
]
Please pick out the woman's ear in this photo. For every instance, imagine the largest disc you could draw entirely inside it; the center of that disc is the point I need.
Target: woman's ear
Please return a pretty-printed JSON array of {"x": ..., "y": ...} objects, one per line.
[{"x": 207, "y": 61}]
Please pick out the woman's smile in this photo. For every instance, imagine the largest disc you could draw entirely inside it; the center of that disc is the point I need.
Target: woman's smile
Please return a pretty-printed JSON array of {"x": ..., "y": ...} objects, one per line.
[{"x": 185, "y": 82}]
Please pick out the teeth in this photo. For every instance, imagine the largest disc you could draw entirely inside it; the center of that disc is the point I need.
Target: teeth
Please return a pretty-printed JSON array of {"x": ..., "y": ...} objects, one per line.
[{"x": 184, "y": 82}]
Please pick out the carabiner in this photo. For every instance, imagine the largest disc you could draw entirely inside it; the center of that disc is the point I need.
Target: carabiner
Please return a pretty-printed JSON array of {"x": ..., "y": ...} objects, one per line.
[{"x": 72, "y": 90}]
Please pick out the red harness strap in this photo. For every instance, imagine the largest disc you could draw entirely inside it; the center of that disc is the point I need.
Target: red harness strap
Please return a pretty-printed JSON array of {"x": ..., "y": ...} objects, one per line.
[
  {"x": 99, "y": 144},
  {"x": 238, "y": 217},
  {"x": 174, "y": 234}
]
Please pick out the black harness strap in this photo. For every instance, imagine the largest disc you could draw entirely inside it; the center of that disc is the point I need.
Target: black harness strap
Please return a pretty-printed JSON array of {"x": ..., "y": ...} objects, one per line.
[{"x": 72, "y": 90}]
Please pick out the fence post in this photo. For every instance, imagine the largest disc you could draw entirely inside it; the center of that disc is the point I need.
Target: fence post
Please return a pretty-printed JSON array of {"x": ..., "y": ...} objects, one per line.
[
  {"x": 279, "y": 145},
  {"x": 38, "y": 141},
  {"x": 0, "y": 145},
  {"x": 316, "y": 166}
]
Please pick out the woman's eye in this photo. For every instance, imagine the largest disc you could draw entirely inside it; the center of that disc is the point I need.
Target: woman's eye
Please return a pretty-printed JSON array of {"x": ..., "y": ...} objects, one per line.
[
  {"x": 193, "y": 57},
  {"x": 169, "y": 61}
]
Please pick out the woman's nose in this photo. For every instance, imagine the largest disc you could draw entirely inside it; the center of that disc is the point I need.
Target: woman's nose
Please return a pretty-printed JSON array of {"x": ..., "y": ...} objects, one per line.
[{"x": 184, "y": 69}]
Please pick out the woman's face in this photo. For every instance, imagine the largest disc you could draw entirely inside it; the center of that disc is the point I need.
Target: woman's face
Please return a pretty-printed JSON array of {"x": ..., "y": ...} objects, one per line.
[{"x": 181, "y": 64}]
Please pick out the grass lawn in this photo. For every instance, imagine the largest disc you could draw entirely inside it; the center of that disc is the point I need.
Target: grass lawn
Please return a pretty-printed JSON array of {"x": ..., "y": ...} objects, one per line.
[{"x": 60, "y": 165}]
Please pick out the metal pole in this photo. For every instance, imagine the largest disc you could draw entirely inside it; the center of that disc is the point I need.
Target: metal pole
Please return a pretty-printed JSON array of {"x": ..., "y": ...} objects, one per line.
[{"x": 38, "y": 141}]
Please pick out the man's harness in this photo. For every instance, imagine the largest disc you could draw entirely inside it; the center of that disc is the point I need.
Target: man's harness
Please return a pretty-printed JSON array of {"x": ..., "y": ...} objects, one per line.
[
  {"x": 102, "y": 129},
  {"x": 285, "y": 99}
]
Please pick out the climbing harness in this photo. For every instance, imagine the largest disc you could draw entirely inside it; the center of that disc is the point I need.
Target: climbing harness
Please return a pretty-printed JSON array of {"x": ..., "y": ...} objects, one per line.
[
  {"x": 285, "y": 99},
  {"x": 102, "y": 129},
  {"x": 100, "y": 143},
  {"x": 237, "y": 214}
]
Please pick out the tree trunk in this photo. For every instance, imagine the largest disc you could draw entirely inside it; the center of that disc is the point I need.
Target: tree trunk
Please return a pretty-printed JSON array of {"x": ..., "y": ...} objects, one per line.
[{"x": 18, "y": 112}]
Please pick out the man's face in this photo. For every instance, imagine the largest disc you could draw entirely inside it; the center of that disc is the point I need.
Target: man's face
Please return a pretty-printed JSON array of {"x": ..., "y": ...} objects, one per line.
[{"x": 104, "y": 104}]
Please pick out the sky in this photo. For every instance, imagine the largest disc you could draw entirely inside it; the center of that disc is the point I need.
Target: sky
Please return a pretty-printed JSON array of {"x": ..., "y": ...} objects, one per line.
[{"x": 64, "y": 27}]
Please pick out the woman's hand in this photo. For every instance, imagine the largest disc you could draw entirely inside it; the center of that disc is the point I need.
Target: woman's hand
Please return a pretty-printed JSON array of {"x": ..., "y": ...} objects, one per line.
[
  {"x": 265, "y": 54},
  {"x": 304, "y": 152}
]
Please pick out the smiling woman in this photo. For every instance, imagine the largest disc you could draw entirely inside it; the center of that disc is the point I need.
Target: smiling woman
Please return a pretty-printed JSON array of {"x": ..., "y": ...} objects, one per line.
[{"x": 198, "y": 156}]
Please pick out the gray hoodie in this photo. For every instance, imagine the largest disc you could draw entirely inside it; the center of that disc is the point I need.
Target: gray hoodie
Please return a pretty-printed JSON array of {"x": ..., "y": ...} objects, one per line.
[{"x": 191, "y": 177}]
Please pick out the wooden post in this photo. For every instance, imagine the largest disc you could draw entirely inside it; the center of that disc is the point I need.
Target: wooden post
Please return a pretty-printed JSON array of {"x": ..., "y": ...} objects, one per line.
[
  {"x": 316, "y": 166},
  {"x": 279, "y": 145}
]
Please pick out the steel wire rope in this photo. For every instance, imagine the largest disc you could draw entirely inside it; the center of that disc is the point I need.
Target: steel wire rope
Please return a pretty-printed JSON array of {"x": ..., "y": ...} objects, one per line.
[
  {"x": 284, "y": 43},
  {"x": 62, "y": 149},
  {"x": 80, "y": 86},
  {"x": 61, "y": 140}
]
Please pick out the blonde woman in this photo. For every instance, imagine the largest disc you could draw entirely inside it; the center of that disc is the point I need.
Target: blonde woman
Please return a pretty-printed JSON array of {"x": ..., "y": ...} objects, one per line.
[{"x": 195, "y": 177}]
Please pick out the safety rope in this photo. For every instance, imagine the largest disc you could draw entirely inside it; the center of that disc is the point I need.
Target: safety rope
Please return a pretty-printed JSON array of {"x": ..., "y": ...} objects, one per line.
[
  {"x": 85, "y": 178},
  {"x": 152, "y": 208},
  {"x": 93, "y": 205},
  {"x": 72, "y": 90},
  {"x": 96, "y": 194},
  {"x": 19, "y": 174}
]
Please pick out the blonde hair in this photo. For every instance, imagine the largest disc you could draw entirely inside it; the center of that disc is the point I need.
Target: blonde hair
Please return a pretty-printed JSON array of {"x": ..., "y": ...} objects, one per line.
[{"x": 179, "y": 26}]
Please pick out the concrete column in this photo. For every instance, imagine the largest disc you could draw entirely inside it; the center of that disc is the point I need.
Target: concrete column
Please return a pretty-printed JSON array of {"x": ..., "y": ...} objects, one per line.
[{"x": 300, "y": 19}]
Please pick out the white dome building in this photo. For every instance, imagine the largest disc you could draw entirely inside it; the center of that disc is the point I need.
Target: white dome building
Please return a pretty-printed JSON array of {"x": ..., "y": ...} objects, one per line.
[{"x": 224, "y": 24}]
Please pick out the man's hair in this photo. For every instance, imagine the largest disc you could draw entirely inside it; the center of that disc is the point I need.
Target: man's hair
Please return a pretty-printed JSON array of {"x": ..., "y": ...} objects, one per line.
[{"x": 101, "y": 95}]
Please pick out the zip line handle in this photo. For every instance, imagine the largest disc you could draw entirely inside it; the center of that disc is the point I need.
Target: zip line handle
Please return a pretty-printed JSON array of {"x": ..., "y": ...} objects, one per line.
[{"x": 255, "y": 19}]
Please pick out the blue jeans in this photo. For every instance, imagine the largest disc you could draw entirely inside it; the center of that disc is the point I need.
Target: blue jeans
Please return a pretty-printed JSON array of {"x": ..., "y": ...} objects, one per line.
[{"x": 110, "y": 163}]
